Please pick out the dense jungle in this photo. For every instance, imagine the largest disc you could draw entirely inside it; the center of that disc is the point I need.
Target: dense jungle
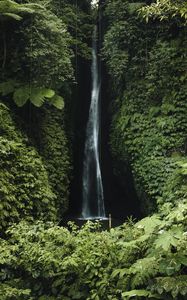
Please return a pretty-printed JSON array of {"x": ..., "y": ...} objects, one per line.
[{"x": 46, "y": 62}]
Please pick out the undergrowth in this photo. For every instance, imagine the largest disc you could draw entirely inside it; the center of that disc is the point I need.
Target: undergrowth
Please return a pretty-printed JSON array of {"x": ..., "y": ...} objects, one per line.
[{"x": 143, "y": 260}]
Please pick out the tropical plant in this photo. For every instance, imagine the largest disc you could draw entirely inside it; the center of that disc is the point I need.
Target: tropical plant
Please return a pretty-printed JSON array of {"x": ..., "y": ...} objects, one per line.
[
  {"x": 144, "y": 259},
  {"x": 14, "y": 10},
  {"x": 36, "y": 95},
  {"x": 165, "y": 10}
]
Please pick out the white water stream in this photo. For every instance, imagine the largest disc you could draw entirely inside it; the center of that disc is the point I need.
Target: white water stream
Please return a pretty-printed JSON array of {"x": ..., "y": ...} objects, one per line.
[{"x": 93, "y": 198}]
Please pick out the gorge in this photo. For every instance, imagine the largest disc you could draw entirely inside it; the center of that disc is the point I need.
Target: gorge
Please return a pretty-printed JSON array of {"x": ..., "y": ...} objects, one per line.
[{"x": 93, "y": 122}]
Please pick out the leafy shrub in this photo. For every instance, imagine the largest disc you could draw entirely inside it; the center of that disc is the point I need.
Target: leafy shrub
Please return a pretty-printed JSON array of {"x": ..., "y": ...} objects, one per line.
[{"x": 145, "y": 259}]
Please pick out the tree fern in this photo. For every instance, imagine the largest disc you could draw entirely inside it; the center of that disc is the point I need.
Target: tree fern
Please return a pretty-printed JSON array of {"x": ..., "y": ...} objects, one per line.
[
  {"x": 37, "y": 95},
  {"x": 11, "y": 9}
]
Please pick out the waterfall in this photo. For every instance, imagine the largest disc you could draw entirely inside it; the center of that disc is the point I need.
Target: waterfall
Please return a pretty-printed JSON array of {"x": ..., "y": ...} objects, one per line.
[{"x": 93, "y": 198}]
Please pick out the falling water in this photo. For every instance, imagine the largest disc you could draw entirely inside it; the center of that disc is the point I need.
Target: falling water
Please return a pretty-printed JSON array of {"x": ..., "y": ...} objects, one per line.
[{"x": 93, "y": 199}]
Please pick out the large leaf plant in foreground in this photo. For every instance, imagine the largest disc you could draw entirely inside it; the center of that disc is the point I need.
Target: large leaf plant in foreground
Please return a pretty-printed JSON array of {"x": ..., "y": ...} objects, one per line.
[
  {"x": 11, "y": 9},
  {"x": 36, "y": 95}
]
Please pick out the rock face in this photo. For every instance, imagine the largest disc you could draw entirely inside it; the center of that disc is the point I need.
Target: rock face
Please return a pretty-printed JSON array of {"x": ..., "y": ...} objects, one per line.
[
  {"x": 147, "y": 75},
  {"x": 31, "y": 187},
  {"x": 24, "y": 185},
  {"x": 53, "y": 146}
]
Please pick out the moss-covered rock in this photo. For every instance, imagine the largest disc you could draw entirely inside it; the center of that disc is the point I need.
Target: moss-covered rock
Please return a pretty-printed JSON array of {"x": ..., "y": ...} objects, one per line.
[
  {"x": 54, "y": 149},
  {"x": 149, "y": 126},
  {"x": 25, "y": 190}
]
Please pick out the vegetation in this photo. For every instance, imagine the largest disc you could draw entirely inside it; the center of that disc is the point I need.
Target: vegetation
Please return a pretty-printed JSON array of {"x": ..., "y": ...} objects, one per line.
[
  {"x": 145, "y": 53},
  {"x": 56, "y": 155},
  {"x": 36, "y": 58},
  {"x": 25, "y": 191},
  {"x": 142, "y": 260},
  {"x": 149, "y": 124},
  {"x": 166, "y": 10},
  {"x": 144, "y": 48}
]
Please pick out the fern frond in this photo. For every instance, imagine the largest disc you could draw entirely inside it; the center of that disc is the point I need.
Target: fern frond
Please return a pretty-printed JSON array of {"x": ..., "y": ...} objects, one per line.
[
  {"x": 12, "y": 9},
  {"x": 37, "y": 95},
  {"x": 143, "y": 270}
]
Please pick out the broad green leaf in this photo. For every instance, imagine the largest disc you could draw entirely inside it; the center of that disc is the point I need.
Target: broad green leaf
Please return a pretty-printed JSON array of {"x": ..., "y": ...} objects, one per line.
[
  {"x": 149, "y": 224},
  {"x": 115, "y": 273},
  {"x": 168, "y": 238},
  {"x": 183, "y": 172},
  {"x": 21, "y": 95},
  {"x": 57, "y": 101},
  {"x": 37, "y": 96},
  {"x": 48, "y": 93}
]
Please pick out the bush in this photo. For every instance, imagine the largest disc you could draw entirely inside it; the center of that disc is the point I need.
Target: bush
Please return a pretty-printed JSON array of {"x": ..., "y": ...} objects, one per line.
[{"x": 145, "y": 259}]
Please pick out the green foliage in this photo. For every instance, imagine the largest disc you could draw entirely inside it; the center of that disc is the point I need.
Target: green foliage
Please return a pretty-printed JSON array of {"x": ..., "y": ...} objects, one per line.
[
  {"x": 11, "y": 9},
  {"x": 46, "y": 57},
  {"x": 51, "y": 262},
  {"x": 25, "y": 191},
  {"x": 41, "y": 261},
  {"x": 36, "y": 60},
  {"x": 176, "y": 286},
  {"x": 147, "y": 65},
  {"x": 125, "y": 33},
  {"x": 53, "y": 147},
  {"x": 9, "y": 292},
  {"x": 79, "y": 20},
  {"x": 166, "y": 9},
  {"x": 149, "y": 124},
  {"x": 36, "y": 95},
  {"x": 37, "y": 51}
]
